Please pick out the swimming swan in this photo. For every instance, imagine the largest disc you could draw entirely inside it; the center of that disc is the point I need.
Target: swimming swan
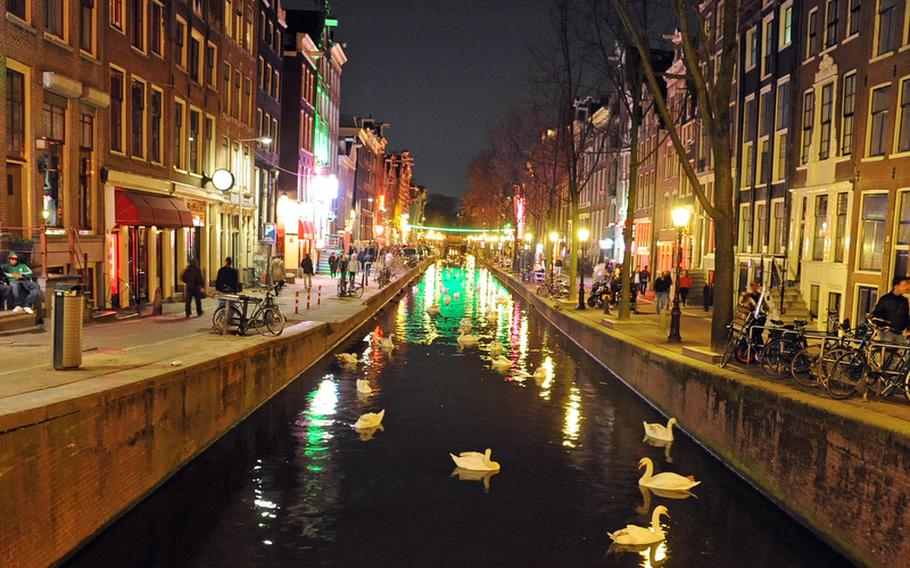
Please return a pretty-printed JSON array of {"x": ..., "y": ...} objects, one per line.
[
  {"x": 665, "y": 480},
  {"x": 347, "y": 358},
  {"x": 465, "y": 340},
  {"x": 363, "y": 386},
  {"x": 660, "y": 432},
  {"x": 369, "y": 420},
  {"x": 636, "y": 535},
  {"x": 475, "y": 461},
  {"x": 502, "y": 363}
]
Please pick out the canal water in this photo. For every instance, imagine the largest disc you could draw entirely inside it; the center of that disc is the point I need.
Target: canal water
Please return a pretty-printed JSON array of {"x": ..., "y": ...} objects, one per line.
[{"x": 296, "y": 485}]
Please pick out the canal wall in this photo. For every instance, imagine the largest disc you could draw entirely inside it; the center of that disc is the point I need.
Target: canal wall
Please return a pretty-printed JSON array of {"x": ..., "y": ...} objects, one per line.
[
  {"x": 75, "y": 458},
  {"x": 841, "y": 471}
]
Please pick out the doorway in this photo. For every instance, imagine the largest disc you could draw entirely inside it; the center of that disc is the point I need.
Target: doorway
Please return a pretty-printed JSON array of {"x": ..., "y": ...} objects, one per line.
[
  {"x": 138, "y": 265},
  {"x": 14, "y": 185}
]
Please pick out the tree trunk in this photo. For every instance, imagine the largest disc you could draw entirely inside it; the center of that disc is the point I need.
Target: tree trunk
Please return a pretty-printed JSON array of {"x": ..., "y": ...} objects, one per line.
[
  {"x": 634, "y": 82},
  {"x": 573, "y": 251},
  {"x": 724, "y": 259}
]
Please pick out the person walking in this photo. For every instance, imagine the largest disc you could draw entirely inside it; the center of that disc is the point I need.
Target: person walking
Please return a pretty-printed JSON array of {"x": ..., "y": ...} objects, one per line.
[
  {"x": 353, "y": 269},
  {"x": 276, "y": 272},
  {"x": 643, "y": 277},
  {"x": 228, "y": 279},
  {"x": 194, "y": 286},
  {"x": 307, "y": 268},
  {"x": 333, "y": 265},
  {"x": 685, "y": 283},
  {"x": 662, "y": 291}
]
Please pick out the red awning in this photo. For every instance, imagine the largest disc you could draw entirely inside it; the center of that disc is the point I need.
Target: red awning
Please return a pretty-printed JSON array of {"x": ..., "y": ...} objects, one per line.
[
  {"x": 305, "y": 229},
  {"x": 137, "y": 209}
]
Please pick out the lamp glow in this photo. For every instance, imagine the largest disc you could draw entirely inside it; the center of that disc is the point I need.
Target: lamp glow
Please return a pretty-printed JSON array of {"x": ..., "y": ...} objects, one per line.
[
  {"x": 681, "y": 217},
  {"x": 529, "y": 237},
  {"x": 583, "y": 234},
  {"x": 222, "y": 179},
  {"x": 554, "y": 236}
]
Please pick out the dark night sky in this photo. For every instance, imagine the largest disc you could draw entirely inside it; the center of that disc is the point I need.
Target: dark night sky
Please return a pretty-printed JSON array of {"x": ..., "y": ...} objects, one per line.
[{"x": 441, "y": 72}]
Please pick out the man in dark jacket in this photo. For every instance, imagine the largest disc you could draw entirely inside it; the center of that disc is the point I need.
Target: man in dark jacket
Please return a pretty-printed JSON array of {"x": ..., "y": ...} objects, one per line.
[
  {"x": 894, "y": 308},
  {"x": 194, "y": 285},
  {"x": 307, "y": 268},
  {"x": 228, "y": 279},
  {"x": 333, "y": 265}
]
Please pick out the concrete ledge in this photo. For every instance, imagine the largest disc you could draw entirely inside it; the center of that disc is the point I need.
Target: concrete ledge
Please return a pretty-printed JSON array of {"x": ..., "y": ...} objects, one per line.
[
  {"x": 831, "y": 465},
  {"x": 611, "y": 322},
  {"x": 702, "y": 354}
]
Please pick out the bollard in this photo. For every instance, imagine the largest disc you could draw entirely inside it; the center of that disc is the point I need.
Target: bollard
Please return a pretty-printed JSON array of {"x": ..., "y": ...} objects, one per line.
[
  {"x": 308, "y": 299},
  {"x": 319, "y": 295},
  {"x": 297, "y": 302}
]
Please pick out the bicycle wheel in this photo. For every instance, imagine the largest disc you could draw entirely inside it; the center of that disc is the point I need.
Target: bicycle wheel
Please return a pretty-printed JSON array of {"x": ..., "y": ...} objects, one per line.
[
  {"x": 845, "y": 374},
  {"x": 341, "y": 289},
  {"x": 218, "y": 319},
  {"x": 271, "y": 322},
  {"x": 732, "y": 340},
  {"x": 771, "y": 363},
  {"x": 543, "y": 291},
  {"x": 357, "y": 292},
  {"x": 803, "y": 366}
]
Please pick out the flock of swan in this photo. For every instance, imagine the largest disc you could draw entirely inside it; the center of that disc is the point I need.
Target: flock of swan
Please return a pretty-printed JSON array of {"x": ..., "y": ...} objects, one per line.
[{"x": 477, "y": 465}]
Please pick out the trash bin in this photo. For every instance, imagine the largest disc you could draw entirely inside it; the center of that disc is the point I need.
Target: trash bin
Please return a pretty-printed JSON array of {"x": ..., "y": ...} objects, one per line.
[{"x": 67, "y": 326}]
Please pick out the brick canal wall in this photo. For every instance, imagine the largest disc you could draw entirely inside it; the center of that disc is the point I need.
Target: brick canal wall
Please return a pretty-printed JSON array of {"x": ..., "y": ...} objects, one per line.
[
  {"x": 842, "y": 472},
  {"x": 70, "y": 468}
]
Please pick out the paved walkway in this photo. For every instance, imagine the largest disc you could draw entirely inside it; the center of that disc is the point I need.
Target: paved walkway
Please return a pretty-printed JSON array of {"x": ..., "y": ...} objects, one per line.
[
  {"x": 695, "y": 329},
  {"x": 163, "y": 340}
]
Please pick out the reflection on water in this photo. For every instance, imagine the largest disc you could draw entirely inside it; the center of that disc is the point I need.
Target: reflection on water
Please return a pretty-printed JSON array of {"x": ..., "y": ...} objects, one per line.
[{"x": 296, "y": 485}]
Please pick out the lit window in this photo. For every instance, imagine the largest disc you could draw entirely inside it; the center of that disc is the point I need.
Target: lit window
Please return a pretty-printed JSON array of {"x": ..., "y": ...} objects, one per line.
[
  {"x": 872, "y": 231},
  {"x": 878, "y": 120},
  {"x": 849, "y": 97}
]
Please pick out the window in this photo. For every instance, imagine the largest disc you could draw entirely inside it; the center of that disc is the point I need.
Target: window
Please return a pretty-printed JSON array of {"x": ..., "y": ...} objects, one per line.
[
  {"x": 238, "y": 23},
  {"x": 115, "y": 7},
  {"x": 777, "y": 227},
  {"x": 783, "y": 105},
  {"x": 814, "y": 291},
  {"x": 209, "y": 165},
  {"x": 821, "y": 227},
  {"x": 720, "y": 21},
  {"x": 86, "y": 168},
  {"x": 267, "y": 80},
  {"x": 903, "y": 137},
  {"x": 274, "y": 144},
  {"x": 831, "y": 7},
  {"x": 228, "y": 22},
  {"x": 840, "y": 226},
  {"x": 156, "y": 28},
  {"x": 117, "y": 110},
  {"x": 211, "y": 54},
  {"x": 834, "y": 303},
  {"x": 54, "y": 114},
  {"x": 155, "y": 139},
  {"x": 808, "y": 120},
  {"x": 786, "y": 26},
  {"x": 760, "y": 224},
  {"x": 54, "y": 17},
  {"x": 87, "y": 26},
  {"x": 812, "y": 33},
  {"x": 276, "y": 85},
  {"x": 179, "y": 135},
  {"x": 15, "y": 115},
  {"x": 824, "y": 148},
  {"x": 866, "y": 298},
  {"x": 248, "y": 36},
  {"x": 193, "y": 142},
  {"x": 137, "y": 122},
  {"x": 248, "y": 89},
  {"x": 751, "y": 48},
  {"x": 767, "y": 46},
  {"x": 260, "y": 70},
  {"x": 180, "y": 43},
  {"x": 902, "y": 236},
  {"x": 853, "y": 17},
  {"x": 195, "y": 56},
  {"x": 849, "y": 96},
  {"x": 137, "y": 24},
  {"x": 18, "y": 8},
  {"x": 235, "y": 103},
  {"x": 872, "y": 231},
  {"x": 878, "y": 120},
  {"x": 780, "y": 162},
  {"x": 745, "y": 227},
  {"x": 226, "y": 89},
  {"x": 886, "y": 26}
]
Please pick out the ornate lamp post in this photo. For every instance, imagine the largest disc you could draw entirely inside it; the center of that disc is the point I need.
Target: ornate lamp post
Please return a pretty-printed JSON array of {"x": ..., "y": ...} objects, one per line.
[
  {"x": 583, "y": 235},
  {"x": 680, "y": 221}
]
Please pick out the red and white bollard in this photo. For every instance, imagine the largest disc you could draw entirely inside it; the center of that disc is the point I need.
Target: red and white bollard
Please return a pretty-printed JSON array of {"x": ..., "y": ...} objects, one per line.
[
  {"x": 297, "y": 302},
  {"x": 308, "y": 299},
  {"x": 319, "y": 295}
]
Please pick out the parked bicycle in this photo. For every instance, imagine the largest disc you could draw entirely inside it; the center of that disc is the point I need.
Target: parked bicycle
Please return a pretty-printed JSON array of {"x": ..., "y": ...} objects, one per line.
[
  {"x": 876, "y": 368},
  {"x": 784, "y": 342},
  {"x": 346, "y": 289},
  {"x": 553, "y": 287},
  {"x": 266, "y": 318}
]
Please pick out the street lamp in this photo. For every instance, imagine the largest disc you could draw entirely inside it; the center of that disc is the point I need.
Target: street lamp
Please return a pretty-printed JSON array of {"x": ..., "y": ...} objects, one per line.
[
  {"x": 583, "y": 235},
  {"x": 680, "y": 221}
]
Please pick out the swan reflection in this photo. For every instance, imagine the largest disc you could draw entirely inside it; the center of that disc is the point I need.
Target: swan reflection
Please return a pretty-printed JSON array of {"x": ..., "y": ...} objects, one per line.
[
  {"x": 662, "y": 493},
  {"x": 667, "y": 446},
  {"x": 366, "y": 434},
  {"x": 472, "y": 475}
]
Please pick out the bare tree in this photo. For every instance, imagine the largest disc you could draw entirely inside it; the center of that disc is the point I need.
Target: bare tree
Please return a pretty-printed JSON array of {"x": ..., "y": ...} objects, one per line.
[{"x": 710, "y": 59}]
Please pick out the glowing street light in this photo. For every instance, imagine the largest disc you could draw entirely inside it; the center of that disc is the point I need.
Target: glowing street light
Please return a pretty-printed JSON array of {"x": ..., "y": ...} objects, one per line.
[{"x": 680, "y": 217}]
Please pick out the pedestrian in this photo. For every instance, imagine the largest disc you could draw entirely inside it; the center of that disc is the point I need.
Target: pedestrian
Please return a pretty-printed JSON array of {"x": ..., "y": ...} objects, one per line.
[
  {"x": 353, "y": 269},
  {"x": 276, "y": 272},
  {"x": 333, "y": 264},
  {"x": 366, "y": 262},
  {"x": 893, "y": 308},
  {"x": 228, "y": 279},
  {"x": 662, "y": 291},
  {"x": 23, "y": 288},
  {"x": 707, "y": 292},
  {"x": 643, "y": 277},
  {"x": 307, "y": 268},
  {"x": 685, "y": 283},
  {"x": 194, "y": 286}
]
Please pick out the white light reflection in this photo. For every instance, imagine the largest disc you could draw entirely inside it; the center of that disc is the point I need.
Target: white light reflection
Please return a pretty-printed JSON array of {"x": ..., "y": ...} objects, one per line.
[
  {"x": 572, "y": 424},
  {"x": 547, "y": 381}
]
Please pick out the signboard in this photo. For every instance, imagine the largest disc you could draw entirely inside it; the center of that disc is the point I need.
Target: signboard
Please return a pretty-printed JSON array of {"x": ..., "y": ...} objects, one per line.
[
  {"x": 330, "y": 216},
  {"x": 268, "y": 233}
]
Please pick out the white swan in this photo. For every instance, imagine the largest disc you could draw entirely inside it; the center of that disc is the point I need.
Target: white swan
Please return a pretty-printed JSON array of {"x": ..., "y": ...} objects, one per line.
[
  {"x": 456, "y": 295},
  {"x": 366, "y": 434},
  {"x": 386, "y": 343},
  {"x": 475, "y": 461},
  {"x": 666, "y": 480},
  {"x": 363, "y": 386},
  {"x": 347, "y": 358},
  {"x": 636, "y": 535},
  {"x": 465, "y": 340},
  {"x": 465, "y": 325},
  {"x": 540, "y": 373},
  {"x": 502, "y": 363},
  {"x": 660, "y": 432},
  {"x": 433, "y": 310},
  {"x": 496, "y": 348},
  {"x": 369, "y": 420}
]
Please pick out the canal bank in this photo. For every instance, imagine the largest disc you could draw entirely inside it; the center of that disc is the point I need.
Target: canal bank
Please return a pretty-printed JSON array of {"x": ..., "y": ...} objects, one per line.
[
  {"x": 75, "y": 456},
  {"x": 842, "y": 472}
]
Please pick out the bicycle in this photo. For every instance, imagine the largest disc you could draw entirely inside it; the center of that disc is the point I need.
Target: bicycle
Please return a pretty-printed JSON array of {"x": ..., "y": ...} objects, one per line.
[
  {"x": 740, "y": 342},
  {"x": 266, "y": 318},
  {"x": 347, "y": 289},
  {"x": 877, "y": 367},
  {"x": 553, "y": 287},
  {"x": 784, "y": 342},
  {"x": 812, "y": 365}
]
